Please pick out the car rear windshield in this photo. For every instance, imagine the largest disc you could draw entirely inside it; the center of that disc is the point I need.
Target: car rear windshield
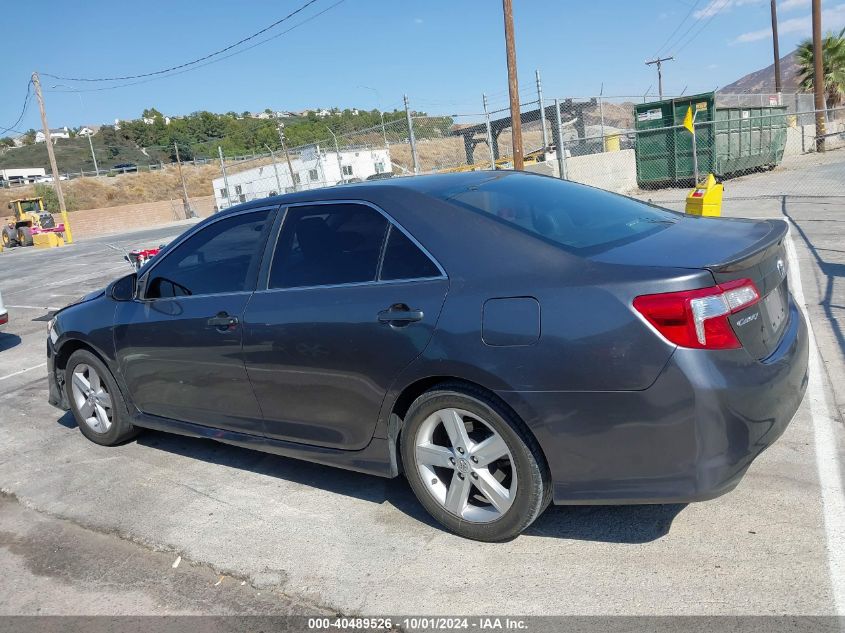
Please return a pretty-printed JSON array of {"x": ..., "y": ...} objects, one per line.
[{"x": 579, "y": 218}]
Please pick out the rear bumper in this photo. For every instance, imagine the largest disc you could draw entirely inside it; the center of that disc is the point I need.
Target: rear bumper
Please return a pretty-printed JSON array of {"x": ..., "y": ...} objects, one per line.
[{"x": 691, "y": 436}]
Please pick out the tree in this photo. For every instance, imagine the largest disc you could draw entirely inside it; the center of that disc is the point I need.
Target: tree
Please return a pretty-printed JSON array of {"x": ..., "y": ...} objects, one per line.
[
  {"x": 833, "y": 67},
  {"x": 29, "y": 137},
  {"x": 7, "y": 141}
]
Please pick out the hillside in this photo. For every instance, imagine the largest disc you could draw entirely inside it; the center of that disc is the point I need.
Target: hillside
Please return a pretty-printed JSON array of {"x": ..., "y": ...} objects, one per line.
[
  {"x": 763, "y": 81},
  {"x": 74, "y": 155}
]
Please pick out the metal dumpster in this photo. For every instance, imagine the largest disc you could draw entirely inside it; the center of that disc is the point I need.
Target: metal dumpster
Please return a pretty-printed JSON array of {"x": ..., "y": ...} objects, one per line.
[{"x": 730, "y": 140}]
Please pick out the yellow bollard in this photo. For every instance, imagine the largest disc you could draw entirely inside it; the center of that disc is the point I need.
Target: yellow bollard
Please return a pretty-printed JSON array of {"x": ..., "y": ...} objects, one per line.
[
  {"x": 68, "y": 234},
  {"x": 706, "y": 198},
  {"x": 612, "y": 143}
]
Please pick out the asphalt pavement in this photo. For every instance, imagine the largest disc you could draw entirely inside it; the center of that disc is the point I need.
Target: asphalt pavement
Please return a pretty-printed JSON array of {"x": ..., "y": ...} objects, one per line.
[{"x": 313, "y": 537}]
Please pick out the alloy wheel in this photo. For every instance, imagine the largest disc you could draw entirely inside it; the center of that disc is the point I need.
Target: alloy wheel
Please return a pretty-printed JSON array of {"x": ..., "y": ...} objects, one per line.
[
  {"x": 465, "y": 465},
  {"x": 90, "y": 393}
]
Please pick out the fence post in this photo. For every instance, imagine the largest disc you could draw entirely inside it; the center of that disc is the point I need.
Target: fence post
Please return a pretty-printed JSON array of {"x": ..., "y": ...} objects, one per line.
[
  {"x": 225, "y": 177},
  {"x": 411, "y": 138},
  {"x": 561, "y": 151},
  {"x": 489, "y": 134},
  {"x": 542, "y": 110},
  {"x": 279, "y": 189}
]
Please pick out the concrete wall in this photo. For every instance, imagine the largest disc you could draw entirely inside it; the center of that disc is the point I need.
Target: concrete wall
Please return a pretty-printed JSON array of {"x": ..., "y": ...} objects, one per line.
[
  {"x": 93, "y": 222},
  {"x": 614, "y": 171}
]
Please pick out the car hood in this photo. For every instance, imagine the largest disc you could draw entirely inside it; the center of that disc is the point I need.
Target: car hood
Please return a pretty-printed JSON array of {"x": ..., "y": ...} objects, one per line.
[
  {"x": 96, "y": 294},
  {"x": 696, "y": 242}
]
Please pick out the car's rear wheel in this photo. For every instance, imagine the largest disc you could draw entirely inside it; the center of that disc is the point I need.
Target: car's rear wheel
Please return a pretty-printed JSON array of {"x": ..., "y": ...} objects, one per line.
[
  {"x": 472, "y": 464},
  {"x": 96, "y": 401}
]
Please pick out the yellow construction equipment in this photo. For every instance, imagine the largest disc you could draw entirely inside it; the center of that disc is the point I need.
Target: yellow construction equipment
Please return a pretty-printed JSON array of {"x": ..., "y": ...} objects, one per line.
[
  {"x": 29, "y": 219},
  {"x": 706, "y": 198}
]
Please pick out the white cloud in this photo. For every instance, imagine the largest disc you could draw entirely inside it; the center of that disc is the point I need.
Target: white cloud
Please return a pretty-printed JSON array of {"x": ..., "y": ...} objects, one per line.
[
  {"x": 833, "y": 19},
  {"x": 720, "y": 6},
  {"x": 789, "y": 5}
]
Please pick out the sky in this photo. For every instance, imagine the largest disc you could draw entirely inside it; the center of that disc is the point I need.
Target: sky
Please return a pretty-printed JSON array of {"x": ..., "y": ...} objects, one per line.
[{"x": 365, "y": 53}]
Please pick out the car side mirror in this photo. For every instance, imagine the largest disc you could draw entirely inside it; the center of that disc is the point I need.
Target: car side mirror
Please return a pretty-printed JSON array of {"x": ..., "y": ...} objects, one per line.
[{"x": 124, "y": 288}]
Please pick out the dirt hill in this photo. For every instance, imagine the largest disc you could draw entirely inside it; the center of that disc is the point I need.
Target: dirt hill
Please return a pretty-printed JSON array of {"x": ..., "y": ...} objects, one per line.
[{"x": 762, "y": 81}]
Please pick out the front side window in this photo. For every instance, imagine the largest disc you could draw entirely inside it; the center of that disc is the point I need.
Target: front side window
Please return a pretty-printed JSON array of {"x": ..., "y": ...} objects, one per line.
[
  {"x": 221, "y": 258},
  {"x": 328, "y": 244}
]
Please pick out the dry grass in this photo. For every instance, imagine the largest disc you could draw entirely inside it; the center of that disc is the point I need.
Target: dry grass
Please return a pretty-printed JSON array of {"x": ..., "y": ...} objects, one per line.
[{"x": 92, "y": 193}]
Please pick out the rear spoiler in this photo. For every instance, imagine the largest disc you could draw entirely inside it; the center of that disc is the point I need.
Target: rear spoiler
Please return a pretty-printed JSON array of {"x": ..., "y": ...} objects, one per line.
[{"x": 757, "y": 252}]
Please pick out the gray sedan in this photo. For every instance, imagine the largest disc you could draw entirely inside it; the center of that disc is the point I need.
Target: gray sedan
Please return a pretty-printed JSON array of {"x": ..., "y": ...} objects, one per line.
[{"x": 505, "y": 340}]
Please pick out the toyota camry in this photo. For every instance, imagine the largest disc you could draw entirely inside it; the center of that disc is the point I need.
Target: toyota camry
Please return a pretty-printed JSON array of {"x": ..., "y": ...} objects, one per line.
[{"x": 504, "y": 340}]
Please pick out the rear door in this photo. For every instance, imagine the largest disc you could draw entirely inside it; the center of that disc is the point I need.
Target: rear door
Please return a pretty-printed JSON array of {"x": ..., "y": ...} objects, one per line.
[
  {"x": 179, "y": 347},
  {"x": 351, "y": 300}
]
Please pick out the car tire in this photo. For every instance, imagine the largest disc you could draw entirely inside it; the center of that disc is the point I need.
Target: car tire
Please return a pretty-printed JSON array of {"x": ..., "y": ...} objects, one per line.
[
  {"x": 473, "y": 515},
  {"x": 25, "y": 236},
  {"x": 96, "y": 401}
]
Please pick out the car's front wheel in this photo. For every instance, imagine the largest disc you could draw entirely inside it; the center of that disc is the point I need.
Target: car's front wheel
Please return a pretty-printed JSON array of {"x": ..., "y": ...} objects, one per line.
[
  {"x": 472, "y": 464},
  {"x": 96, "y": 401}
]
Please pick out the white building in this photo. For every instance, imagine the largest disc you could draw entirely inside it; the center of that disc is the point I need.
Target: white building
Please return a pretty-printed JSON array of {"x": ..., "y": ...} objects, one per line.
[
  {"x": 21, "y": 176},
  {"x": 59, "y": 132},
  {"x": 312, "y": 169}
]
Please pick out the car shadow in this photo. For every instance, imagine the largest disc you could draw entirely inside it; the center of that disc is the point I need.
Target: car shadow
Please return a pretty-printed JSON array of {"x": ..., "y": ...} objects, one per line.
[
  {"x": 612, "y": 524},
  {"x": 8, "y": 341}
]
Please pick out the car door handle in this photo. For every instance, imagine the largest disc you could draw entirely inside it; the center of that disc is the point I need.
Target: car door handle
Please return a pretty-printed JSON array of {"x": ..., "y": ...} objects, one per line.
[
  {"x": 223, "y": 320},
  {"x": 394, "y": 315}
]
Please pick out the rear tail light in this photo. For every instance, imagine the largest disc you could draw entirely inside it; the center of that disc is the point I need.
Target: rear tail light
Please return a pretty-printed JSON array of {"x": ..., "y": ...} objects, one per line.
[{"x": 699, "y": 318}]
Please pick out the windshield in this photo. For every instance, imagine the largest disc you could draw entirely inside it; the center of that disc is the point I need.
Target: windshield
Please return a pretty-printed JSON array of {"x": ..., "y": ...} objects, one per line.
[{"x": 579, "y": 218}]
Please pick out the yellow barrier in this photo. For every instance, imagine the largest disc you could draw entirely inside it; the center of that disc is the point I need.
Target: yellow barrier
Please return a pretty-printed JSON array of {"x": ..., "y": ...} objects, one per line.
[
  {"x": 706, "y": 198},
  {"x": 47, "y": 240}
]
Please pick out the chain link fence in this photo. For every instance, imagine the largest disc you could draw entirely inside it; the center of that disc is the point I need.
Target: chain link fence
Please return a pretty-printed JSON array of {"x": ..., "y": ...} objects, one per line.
[{"x": 627, "y": 144}]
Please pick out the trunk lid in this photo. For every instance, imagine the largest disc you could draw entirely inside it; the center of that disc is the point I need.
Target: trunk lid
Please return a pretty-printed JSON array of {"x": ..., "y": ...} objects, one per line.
[{"x": 730, "y": 249}]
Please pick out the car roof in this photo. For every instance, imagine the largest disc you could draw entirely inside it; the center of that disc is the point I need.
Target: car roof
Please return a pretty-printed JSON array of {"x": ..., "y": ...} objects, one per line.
[{"x": 431, "y": 184}]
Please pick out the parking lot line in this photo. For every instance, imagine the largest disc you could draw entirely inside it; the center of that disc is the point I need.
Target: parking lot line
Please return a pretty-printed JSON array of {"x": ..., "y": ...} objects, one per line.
[
  {"x": 827, "y": 461},
  {"x": 33, "y": 307},
  {"x": 22, "y": 371}
]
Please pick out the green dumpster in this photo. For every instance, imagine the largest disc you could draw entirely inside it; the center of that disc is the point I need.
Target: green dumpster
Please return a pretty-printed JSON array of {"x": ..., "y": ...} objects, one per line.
[{"x": 730, "y": 141}]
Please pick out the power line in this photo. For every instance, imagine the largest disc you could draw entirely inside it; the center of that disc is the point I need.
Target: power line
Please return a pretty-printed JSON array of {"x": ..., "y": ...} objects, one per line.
[
  {"x": 677, "y": 28},
  {"x": 23, "y": 109},
  {"x": 209, "y": 62},
  {"x": 702, "y": 27},
  {"x": 193, "y": 62}
]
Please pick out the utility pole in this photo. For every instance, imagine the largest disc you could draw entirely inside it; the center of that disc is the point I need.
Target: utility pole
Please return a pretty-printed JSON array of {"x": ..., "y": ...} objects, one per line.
[
  {"x": 337, "y": 153},
  {"x": 57, "y": 183},
  {"x": 279, "y": 189},
  {"x": 818, "y": 75},
  {"x": 93, "y": 156},
  {"x": 189, "y": 212},
  {"x": 659, "y": 62},
  {"x": 225, "y": 177},
  {"x": 489, "y": 133},
  {"x": 287, "y": 156},
  {"x": 411, "y": 138},
  {"x": 542, "y": 110},
  {"x": 776, "y": 48},
  {"x": 513, "y": 87}
]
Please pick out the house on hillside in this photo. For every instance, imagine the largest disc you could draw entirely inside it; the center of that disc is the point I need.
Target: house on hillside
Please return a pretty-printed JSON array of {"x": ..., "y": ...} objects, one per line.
[
  {"x": 88, "y": 130},
  {"x": 59, "y": 132}
]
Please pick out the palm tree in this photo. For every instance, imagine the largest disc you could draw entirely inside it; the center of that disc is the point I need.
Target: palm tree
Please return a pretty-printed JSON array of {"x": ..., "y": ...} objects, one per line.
[{"x": 833, "y": 66}]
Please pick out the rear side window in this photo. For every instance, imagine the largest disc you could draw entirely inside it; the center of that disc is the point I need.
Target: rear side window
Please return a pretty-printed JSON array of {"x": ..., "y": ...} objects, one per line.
[
  {"x": 328, "y": 244},
  {"x": 220, "y": 258},
  {"x": 404, "y": 260},
  {"x": 579, "y": 218}
]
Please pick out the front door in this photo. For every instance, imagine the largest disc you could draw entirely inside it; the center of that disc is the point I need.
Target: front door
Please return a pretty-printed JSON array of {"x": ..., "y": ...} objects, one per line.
[
  {"x": 179, "y": 345},
  {"x": 351, "y": 301}
]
